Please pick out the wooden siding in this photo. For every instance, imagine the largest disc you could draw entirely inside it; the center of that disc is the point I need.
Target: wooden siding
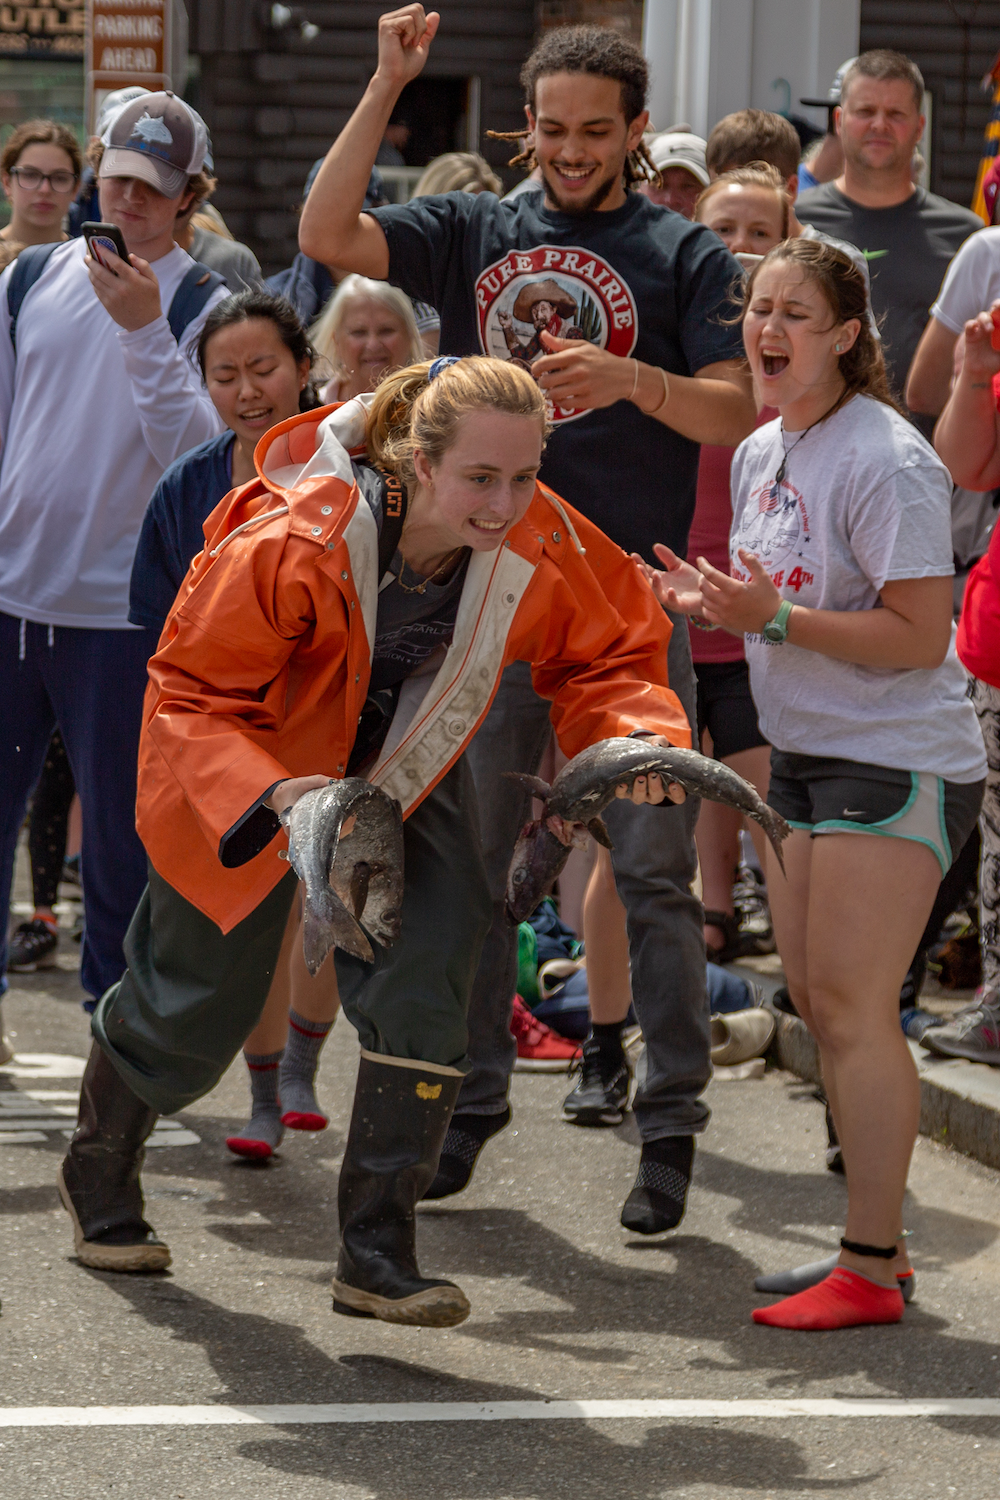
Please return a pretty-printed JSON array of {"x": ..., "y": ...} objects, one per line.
[
  {"x": 274, "y": 102},
  {"x": 953, "y": 42}
]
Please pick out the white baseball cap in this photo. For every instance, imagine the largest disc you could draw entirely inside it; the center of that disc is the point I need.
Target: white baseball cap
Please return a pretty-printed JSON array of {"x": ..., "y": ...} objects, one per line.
[
  {"x": 115, "y": 101},
  {"x": 677, "y": 148}
]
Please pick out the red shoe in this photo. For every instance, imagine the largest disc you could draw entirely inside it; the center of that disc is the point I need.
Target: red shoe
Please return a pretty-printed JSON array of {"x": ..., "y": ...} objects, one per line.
[{"x": 539, "y": 1048}]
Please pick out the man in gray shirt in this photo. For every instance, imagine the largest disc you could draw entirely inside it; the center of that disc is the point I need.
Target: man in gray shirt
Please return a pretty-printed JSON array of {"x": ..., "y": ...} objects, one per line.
[
  {"x": 907, "y": 235},
  {"x": 215, "y": 248}
]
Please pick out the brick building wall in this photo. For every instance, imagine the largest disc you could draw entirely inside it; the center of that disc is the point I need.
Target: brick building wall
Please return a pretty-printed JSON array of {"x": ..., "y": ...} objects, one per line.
[
  {"x": 275, "y": 101},
  {"x": 953, "y": 43}
]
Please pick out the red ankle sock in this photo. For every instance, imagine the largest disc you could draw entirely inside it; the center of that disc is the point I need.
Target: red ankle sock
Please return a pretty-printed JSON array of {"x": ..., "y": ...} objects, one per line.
[{"x": 843, "y": 1300}]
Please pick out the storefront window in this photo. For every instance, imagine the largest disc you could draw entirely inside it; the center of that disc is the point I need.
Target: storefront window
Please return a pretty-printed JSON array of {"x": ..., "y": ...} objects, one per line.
[{"x": 36, "y": 89}]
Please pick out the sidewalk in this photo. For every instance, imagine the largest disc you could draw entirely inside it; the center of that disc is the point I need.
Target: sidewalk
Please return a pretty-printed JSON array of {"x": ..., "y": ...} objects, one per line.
[{"x": 959, "y": 1100}]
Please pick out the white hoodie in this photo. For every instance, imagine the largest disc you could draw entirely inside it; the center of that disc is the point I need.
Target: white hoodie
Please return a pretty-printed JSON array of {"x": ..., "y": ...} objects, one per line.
[{"x": 90, "y": 416}]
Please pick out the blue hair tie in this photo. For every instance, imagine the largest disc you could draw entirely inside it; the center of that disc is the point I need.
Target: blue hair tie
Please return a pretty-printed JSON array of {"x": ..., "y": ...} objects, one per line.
[{"x": 441, "y": 363}]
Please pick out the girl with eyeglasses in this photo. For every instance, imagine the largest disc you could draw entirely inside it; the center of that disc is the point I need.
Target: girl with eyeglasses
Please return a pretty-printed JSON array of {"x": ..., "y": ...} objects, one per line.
[{"x": 40, "y": 171}]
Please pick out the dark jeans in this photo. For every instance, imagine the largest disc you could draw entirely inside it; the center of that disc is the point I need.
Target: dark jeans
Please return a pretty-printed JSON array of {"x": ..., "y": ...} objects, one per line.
[
  {"x": 191, "y": 996},
  {"x": 90, "y": 683},
  {"x": 49, "y": 823},
  {"x": 654, "y": 861}
]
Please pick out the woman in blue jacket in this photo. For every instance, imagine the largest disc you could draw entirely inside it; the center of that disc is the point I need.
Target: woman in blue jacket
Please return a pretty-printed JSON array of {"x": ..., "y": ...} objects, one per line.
[{"x": 256, "y": 361}]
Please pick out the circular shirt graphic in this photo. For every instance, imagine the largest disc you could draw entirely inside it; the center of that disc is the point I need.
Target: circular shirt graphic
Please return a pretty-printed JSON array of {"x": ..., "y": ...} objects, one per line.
[
  {"x": 774, "y": 525},
  {"x": 565, "y": 291}
]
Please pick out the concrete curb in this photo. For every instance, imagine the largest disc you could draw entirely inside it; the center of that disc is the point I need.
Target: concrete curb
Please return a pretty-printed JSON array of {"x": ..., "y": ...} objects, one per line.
[{"x": 959, "y": 1100}]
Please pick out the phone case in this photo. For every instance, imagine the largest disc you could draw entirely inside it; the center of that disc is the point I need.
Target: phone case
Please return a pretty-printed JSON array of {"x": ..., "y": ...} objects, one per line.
[{"x": 104, "y": 251}]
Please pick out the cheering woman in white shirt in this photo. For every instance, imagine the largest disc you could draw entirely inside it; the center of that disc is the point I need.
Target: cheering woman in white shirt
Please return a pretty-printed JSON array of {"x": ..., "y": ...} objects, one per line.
[{"x": 841, "y": 585}]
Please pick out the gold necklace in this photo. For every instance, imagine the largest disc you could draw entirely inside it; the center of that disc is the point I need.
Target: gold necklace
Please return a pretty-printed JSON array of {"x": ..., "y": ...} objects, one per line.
[{"x": 409, "y": 588}]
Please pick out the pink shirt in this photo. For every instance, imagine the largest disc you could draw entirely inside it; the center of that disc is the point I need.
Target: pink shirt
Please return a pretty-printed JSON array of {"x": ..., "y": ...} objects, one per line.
[{"x": 709, "y": 538}]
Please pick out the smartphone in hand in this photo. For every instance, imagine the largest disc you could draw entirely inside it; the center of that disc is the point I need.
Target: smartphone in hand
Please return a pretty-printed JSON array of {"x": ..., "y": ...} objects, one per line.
[
  {"x": 106, "y": 245},
  {"x": 995, "y": 335}
]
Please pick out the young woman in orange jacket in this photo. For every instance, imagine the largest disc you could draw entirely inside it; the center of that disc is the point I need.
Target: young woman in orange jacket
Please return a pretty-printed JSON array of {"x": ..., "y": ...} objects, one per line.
[{"x": 317, "y": 637}]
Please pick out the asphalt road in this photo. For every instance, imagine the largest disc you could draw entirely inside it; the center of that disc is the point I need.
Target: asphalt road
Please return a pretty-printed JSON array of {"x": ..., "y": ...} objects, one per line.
[{"x": 566, "y": 1305}]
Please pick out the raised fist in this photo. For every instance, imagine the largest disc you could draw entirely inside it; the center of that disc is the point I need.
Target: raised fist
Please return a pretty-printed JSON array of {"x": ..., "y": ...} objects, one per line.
[{"x": 404, "y": 39}]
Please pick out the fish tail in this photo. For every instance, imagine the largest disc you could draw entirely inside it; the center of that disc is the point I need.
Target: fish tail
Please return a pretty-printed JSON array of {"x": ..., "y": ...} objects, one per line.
[
  {"x": 777, "y": 831},
  {"x": 533, "y": 784},
  {"x": 317, "y": 939},
  {"x": 331, "y": 927}
]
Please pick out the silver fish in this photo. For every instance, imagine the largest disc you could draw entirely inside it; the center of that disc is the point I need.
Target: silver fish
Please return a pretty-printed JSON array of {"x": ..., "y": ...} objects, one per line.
[
  {"x": 350, "y": 878},
  {"x": 585, "y": 787}
]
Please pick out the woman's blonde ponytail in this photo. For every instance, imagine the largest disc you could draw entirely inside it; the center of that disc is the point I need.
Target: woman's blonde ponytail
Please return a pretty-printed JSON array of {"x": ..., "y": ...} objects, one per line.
[{"x": 411, "y": 411}]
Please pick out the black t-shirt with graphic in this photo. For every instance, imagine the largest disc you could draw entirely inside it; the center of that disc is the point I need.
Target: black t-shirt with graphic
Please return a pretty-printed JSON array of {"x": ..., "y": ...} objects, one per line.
[
  {"x": 415, "y": 617},
  {"x": 908, "y": 249},
  {"x": 638, "y": 280}
]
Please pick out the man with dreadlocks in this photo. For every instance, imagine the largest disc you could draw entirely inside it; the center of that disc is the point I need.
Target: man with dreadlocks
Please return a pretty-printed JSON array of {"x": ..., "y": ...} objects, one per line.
[{"x": 653, "y": 368}]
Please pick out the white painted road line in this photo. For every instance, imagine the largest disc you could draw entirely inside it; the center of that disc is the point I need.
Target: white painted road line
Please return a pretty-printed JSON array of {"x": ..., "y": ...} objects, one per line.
[
  {"x": 44, "y": 1065},
  {"x": 471, "y": 1411}
]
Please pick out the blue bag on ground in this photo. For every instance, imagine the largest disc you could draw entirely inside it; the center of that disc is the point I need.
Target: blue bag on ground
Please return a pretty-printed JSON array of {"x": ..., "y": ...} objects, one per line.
[
  {"x": 567, "y": 1010},
  {"x": 553, "y": 938},
  {"x": 727, "y": 992}
]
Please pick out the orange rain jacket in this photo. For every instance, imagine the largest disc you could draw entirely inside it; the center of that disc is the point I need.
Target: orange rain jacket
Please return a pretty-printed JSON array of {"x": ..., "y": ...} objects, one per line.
[{"x": 263, "y": 665}]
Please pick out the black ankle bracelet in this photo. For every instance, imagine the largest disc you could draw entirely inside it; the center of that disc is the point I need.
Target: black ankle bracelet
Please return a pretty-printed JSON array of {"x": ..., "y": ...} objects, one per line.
[{"x": 878, "y": 1250}]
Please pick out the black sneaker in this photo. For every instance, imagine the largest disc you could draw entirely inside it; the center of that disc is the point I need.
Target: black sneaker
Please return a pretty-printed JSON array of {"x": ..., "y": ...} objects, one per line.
[
  {"x": 601, "y": 1094},
  {"x": 32, "y": 947}
]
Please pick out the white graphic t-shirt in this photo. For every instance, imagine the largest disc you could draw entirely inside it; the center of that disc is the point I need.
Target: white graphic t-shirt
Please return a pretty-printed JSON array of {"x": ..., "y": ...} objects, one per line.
[{"x": 864, "y": 500}]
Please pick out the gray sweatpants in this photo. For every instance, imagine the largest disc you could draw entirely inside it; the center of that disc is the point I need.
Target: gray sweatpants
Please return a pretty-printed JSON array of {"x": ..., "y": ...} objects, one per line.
[{"x": 654, "y": 862}]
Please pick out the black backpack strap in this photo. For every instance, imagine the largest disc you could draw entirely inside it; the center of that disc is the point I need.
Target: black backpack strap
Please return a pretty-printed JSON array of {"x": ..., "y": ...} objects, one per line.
[
  {"x": 27, "y": 268},
  {"x": 393, "y": 515},
  {"x": 190, "y": 297},
  {"x": 387, "y": 498}
]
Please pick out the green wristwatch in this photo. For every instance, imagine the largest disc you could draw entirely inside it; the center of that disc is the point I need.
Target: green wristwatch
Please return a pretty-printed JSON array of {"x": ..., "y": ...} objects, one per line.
[{"x": 777, "y": 629}]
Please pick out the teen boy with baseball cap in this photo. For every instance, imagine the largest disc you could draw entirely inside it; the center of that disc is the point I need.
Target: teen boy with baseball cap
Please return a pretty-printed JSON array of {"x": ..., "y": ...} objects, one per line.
[{"x": 97, "y": 397}]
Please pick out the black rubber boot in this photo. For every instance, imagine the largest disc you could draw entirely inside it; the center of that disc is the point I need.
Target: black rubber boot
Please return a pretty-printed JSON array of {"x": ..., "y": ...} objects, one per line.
[
  {"x": 401, "y": 1114},
  {"x": 99, "y": 1178}
]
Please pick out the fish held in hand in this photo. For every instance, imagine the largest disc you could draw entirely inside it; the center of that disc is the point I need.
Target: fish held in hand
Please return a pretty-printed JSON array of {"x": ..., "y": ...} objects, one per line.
[
  {"x": 588, "y": 783},
  {"x": 345, "y": 843},
  {"x": 539, "y": 856}
]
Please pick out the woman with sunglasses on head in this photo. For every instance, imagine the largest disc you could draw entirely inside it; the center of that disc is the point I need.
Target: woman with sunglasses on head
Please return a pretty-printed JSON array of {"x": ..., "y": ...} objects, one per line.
[
  {"x": 840, "y": 582},
  {"x": 40, "y": 171}
]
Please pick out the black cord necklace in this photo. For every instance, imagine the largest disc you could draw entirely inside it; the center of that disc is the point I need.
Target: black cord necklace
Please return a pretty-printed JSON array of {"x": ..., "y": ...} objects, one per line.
[{"x": 787, "y": 452}]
